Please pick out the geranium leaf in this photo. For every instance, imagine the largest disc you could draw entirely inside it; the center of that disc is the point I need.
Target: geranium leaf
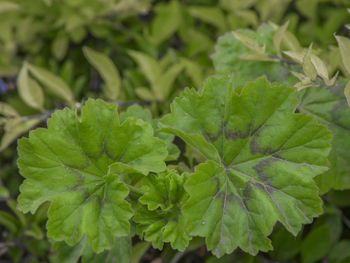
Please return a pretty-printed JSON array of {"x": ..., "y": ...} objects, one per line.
[
  {"x": 262, "y": 166},
  {"x": 330, "y": 108},
  {"x": 145, "y": 115},
  {"x": 160, "y": 218},
  {"x": 77, "y": 163},
  {"x": 229, "y": 52}
]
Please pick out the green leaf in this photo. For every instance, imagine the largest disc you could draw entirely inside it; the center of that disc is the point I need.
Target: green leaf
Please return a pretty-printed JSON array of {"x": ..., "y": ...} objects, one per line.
[
  {"x": 344, "y": 46},
  {"x": 53, "y": 83},
  {"x": 285, "y": 245},
  {"x": 316, "y": 245},
  {"x": 105, "y": 66},
  {"x": 166, "y": 22},
  {"x": 60, "y": 45},
  {"x": 7, "y": 110},
  {"x": 6, "y": 6},
  {"x": 330, "y": 108},
  {"x": 16, "y": 127},
  {"x": 145, "y": 115},
  {"x": 340, "y": 253},
  {"x": 278, "y": 36},
  {"x": 228, "y": 52},
  {"x": 262, "y": 158},
  {"x": 212, "y": 15},
  {"x": 138, "y": 250},
  {"x": 120, "y": 252},
  {"x": 29, "y": 90},
  {"x": 77, "y": 164},
  {"x": 160, "y": 219},
  {"x": 308, "y": 67}
]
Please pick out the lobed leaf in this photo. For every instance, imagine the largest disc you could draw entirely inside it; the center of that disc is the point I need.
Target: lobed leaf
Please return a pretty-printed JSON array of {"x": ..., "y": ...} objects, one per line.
[
  {"x": 160, "y": 218},
  {"x": 77, "y": 164},
  {"x": 262, "y": 158},
  {"x": 329, "y": 107}
]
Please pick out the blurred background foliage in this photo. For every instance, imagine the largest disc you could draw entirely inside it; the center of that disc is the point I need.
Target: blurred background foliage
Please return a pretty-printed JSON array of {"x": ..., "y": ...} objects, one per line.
[{"x": 57, "y": 53}]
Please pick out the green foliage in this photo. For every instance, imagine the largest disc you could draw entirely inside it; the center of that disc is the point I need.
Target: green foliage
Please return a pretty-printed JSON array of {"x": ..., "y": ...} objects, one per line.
[
  {"x": 255, "y": 147},
  {"x": 239, "y": 162}
]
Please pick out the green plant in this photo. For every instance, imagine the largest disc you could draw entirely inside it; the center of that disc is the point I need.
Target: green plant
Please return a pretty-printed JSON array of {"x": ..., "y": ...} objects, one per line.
[{"x": 104, "y": 173}]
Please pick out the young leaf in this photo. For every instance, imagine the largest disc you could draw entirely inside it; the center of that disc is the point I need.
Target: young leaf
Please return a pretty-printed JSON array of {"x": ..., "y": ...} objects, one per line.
[
  {"x": 262, "y": 158},
  {"x": 77, "y": 163},
  {"x": 212, "y": 15},
  {"x": 7, "y": 110},
  {"x": 16, "y": 127},
  {"x": 53, "y": 83},
  {"x": 166, "y": 22},
  {"x": 29, "y": 90},
  {"x": 107, "y": 70},
  {"x": 278, "y": 36},
  {"x": 308, "y": 67},
  {"x": 6, "y": 6},
  {"x": 344, "y": 46},
  {"x": 160, "y": 219}
]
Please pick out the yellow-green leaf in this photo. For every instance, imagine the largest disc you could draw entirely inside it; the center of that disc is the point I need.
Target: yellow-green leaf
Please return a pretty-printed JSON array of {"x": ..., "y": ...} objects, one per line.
[
  {"x": 278, "y": 36},
  {"x": 249, "y": 42},
  {"x": 212, "y": 15},
  {"x": 14, "y": 129},
  {"x": 7, "y": 110},
  {"x": 308, "y": 67},
  {"x": 29, "y": 90},
  {"x": 145, "y": 94},
  {"x": 108, "y": 71},
  {"x": 256, "y": 56},
  {"x": 344, "y": 46},
  {"x": 53, "y": 83},
  {"x": 320, "y": 67},
  {"x": 6, "y": 6},
  {"x": 60, "y": 45}
]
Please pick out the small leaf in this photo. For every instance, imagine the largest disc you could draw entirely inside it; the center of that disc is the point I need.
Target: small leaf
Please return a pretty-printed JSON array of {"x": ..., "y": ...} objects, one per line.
[
  {"x": 16, "y": 128},
  {"x": 344, "y": 46},
  {"x": 278, "y": 36},
  {"x": 297, "y": 56},
  {"x": 29, "y": 90},
  {"x": 249, "y": 42},
  {"x": 160, "y": 218},
  {"x": 347, "y": 92},
  {"x": 167, "y": 20},
  {"x": 7, "y": 110},
  {"x": 77, "y": 164},
  {"x": 260, "y": 154},
  {"x": 316, "y": 245},
  {"x": 212, "y": 15},
  {"x": 308, "y": 67},
  {"x": 255, "y": 56},
  {"x": 6, "y": 6},
  {"x": 53, "y": 83},
  {"x": 60, "y": 45},
  {"x": 105, "y": 66},
  {"x": 138, "y": 250},
  {"x": 145, "y": 94}
]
